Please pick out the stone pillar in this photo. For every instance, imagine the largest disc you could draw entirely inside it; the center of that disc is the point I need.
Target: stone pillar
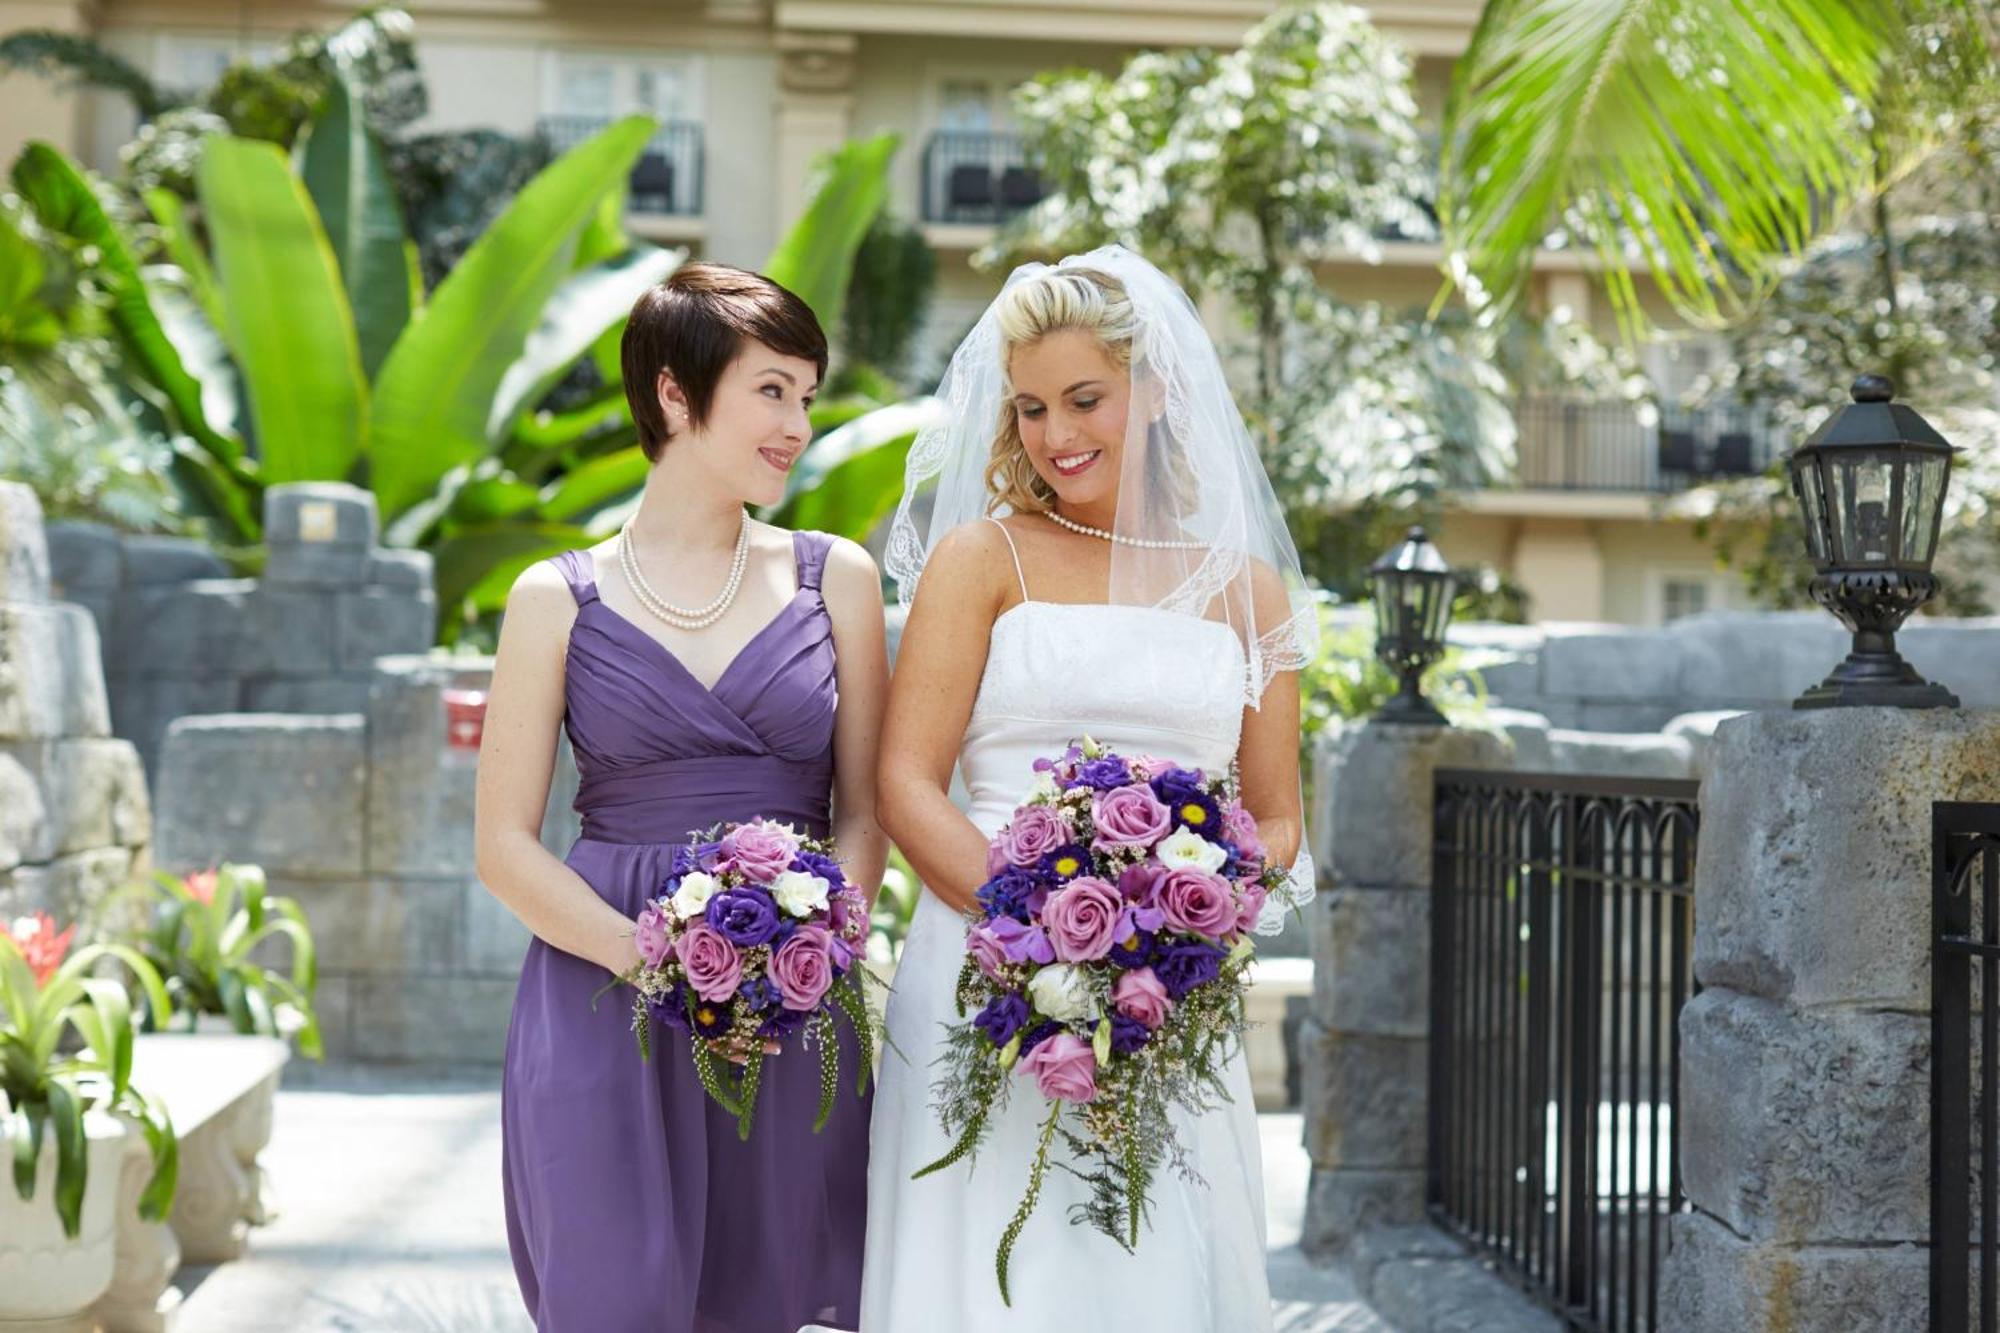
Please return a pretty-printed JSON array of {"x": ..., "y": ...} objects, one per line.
[
  {"x": 1805, "y": 1061},
  {"x": 815, "y": 112},
  {"x": 1365, "y": 1044}
]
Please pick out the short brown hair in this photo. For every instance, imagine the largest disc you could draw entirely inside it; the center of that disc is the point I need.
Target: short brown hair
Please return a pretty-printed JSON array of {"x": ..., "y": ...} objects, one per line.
[{"x": 693, "y": 325}]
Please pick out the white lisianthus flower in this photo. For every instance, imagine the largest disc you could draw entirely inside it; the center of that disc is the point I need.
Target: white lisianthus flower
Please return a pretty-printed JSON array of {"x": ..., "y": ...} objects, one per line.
[
  {"x": 800, "y": 894},
  {"x": 690, "y": 900},
  {"x": 1185, "y": 847},
  {"x": 1062, "y": 991}
]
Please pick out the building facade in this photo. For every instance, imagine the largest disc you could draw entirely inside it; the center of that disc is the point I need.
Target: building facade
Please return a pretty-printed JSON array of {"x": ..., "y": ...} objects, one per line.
[{"x": 750, "y": 92}]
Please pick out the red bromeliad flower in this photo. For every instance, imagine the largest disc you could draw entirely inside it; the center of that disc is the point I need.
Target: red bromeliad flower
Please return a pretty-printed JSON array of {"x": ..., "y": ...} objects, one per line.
[
  {"x": 35, "y": 936},
  {"x": 202, "y": 885}
]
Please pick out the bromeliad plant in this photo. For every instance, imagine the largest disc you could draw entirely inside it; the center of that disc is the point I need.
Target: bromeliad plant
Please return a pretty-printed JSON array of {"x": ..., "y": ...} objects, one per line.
[
  {"x": 202, "y": 935},
  {"x": 46, "y": 995}
]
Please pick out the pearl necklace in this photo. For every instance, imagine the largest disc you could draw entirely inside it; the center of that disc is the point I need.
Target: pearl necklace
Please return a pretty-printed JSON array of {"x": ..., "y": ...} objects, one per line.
[
  {"x": 1150, "y": 543},
  {"x": 681, "y": 617}
]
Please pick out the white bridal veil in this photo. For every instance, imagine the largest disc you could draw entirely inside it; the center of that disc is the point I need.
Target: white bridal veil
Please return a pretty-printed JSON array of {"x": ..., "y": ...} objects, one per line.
[{"x": 1209, "y": 539}]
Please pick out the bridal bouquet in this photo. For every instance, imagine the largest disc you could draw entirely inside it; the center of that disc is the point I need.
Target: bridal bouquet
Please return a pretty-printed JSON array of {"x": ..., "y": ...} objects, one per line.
[
  {"x": 755, "y": 937},
  {"x": 1106, "y": 962}
]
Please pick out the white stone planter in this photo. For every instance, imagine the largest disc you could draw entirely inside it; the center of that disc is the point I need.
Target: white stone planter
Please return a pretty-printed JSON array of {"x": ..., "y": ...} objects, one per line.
[{"x": 47, "y": 1280}]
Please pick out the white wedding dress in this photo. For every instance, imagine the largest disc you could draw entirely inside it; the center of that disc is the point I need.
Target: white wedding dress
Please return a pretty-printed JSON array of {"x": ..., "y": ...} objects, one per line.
[{"x": 1143, "y": 681}]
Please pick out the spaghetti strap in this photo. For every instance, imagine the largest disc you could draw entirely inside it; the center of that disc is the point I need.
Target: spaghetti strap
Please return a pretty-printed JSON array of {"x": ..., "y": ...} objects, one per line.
[
  {"x": 1022, "y": 578},
  {"x": 580, "y": 572}
]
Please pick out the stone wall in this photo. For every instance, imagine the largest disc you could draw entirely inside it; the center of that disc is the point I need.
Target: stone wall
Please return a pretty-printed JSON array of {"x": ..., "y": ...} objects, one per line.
[
  {"x": 366, "y": 818},
  {"x": 74, "y": 820},
  {"x": 180, "y": 637}
]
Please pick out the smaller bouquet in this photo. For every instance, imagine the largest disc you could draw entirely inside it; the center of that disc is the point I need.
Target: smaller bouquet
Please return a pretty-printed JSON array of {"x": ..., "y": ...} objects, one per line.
[
  {"x": 1106, "y": 961},
  {"x": 754, "y": 939}
]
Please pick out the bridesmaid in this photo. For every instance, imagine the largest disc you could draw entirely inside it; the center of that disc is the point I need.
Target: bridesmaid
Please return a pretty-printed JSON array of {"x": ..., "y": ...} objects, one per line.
[{"x": 707, "y": 668}]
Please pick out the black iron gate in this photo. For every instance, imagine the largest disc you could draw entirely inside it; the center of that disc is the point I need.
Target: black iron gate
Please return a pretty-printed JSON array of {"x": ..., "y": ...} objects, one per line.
[
  {"x": 1562, "y": 928},
  {"x": 1965, "y": 1031}
]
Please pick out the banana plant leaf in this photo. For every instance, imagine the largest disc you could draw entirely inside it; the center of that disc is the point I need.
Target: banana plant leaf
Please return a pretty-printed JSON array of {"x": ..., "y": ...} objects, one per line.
[
  {"x": 852, "y": 478},
  {"x": 348, "y": 178},
  {"x": 816, "y": 258}
]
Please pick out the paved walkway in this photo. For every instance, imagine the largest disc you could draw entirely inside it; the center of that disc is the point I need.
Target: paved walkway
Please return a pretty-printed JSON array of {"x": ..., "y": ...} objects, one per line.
[{"x": 387, "y": 1187}]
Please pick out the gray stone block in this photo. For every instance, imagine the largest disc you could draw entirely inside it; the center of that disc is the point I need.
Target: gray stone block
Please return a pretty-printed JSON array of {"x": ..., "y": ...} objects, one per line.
[
  {"x": 376, "y": 624},
  {"x": 156, "y": 560},
  {"x": 1960, "y": 654},
  {"x": 437, "y": 1020},
  {"x": 143, "y": 707},
  {"x": 201, "y": 627},
  {"x": 1764, "y": 659},
  {"x": 1806, "y": 1126},
  {"x": 71, "y": 888},
  {"x": 420, "y": 794},
  {"x": 1814, "y": 871},
  {"x": 1527, "y": 736},
  {"x": 1600, "y": 754},
  {"x": 306, "y": 694},
  {"x": 1380, "y": 1245},
  {"x": 1620, "y": 715},
  {"x": 24, "y": 547},
  {"x": 401, "y": 571},
  {"x": 389, "y": 928},
  {"x": 295, "y": 632},
  {"x": 282, "y": 790},
  {"x": 83, "y": 557},
  {"x": 1519, "y": 678},
  {"x": 24, "y": 818},
  {"x": 51, "y": 675},
  {"x": 1373, "y": 787},
  {"x": 1364, "y": 1098},
  {"x": 92, "y": 795},
  {"x": 1715, "y": 1279},
  {"x": 1698, "y": 730},
  {"x": 1343, "y": 1203},
  {"x": 319, "y": 513},
  {"x": 1425, "y": 1294},
  {"x": 1371, "y": 961},
  {"x": 1604, "y": 664},
  {"x": 329, "y": 568},
  {"x": 495, "y": 939}
]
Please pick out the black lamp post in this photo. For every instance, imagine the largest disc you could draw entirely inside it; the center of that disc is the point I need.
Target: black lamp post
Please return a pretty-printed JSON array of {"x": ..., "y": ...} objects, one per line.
[
  {"x": 1870, "y": 485},
  {"x": 1413, "y": 592}
]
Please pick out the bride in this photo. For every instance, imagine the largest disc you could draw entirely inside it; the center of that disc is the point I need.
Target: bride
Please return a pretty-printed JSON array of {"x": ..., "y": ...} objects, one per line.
[{"x": 1103, "y": 556}]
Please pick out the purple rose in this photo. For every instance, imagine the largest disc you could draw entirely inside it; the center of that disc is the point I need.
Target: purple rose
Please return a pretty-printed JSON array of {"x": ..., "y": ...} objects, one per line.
[
  {"x": 760, "y": 849},
  {"x": 1064, "y": 1068},
  {"x": 986, "y": 950},
  {"x": 650, "y": 934},
  {"x": 1002, "y": 1017},
  {"x": 1035, "y": 832},
  {"x": 1182, "y": 967},
  {"x": 713, "y": 966},
  {"x": 1082, "y": 919},
  {"x": 1195, "y": 900},
  {"x": 803, "y": 967},
  {"x": 1022, "y": 944},
  {"x": 1129, "y": 817},
  {"x": 1103, "y": 774},
  {"x": 1140, "y": 995},
  {"x": 745, "y": 917}
]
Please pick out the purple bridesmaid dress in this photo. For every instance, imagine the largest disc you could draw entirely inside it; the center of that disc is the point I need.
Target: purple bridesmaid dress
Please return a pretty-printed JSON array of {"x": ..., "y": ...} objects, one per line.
[{"x": 632, "y": 1207}]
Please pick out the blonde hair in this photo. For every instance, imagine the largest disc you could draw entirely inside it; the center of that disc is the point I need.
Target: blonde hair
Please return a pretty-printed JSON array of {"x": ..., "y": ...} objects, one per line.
[{"x": 1051, "y": 301}]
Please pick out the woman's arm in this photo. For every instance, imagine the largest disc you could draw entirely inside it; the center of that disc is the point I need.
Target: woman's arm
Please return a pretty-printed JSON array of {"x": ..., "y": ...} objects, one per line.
[
  {"x": 853, "y": 592},
  {"x": 938, "y": 666},
  {"x": 1267, "y": 755},
  {"x": 524, "y": 710}
]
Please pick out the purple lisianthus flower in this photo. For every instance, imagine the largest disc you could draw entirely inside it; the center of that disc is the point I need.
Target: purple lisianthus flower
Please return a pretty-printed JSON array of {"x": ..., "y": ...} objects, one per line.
[
  {"x": 745, "y": 916},
  {"x": 1038, "y": 1034},
  {"x": 1132, "y": 950},
  {"x": 1021, "y": 943},
  {"x": 1007, "y": 894},
  {"x": 1170, "y": 784},
  {"x": 828, "y": 869},
  {"x": 783, "y": 1023},
  {"x": 1182, "y": 967},
  {"x": 1002, "y": 1017},
  {"x": 671, "y": 1007},
  {"x": 1128, "y": 1034},
  {"x": 1068, "y": 861},
  {"x": 1102, "y": 774},
  {"x": 758, "y": 993}
]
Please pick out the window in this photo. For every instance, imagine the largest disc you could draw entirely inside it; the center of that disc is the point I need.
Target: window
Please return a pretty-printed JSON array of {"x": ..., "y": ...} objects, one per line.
[
  {"x": 965, "y": 104},
  {"x": 601, "y": 87},
  {"x": 187, "y": 63},
  {"x": 1682, "y": 597}
]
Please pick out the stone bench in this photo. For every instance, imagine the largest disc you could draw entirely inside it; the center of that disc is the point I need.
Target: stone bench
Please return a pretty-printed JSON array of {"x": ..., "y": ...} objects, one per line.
[
  {"x": 1274, "y": 984},
  {"x": 219, "y": 1089}
]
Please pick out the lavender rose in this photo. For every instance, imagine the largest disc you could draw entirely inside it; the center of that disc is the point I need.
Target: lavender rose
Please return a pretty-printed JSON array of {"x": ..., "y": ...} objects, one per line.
[
  {"x": 1240, "y": 827},
  {"x": 1064, "y": 1068},
  {"x": 713, "y": 966},
  {"x": 986, "y": 950},
  {"x": 1249, "y": 906},
  {"x": 1198, "y": 901},
  {"x": 1082, "y": 919},
  {"x": 1129, "y": 817},
  {"x": 745, "y": 917},
  {"x": 650, "y": 934},
  {"x": 1035, "y": 832},
  {"x": 1140, "y": 995},
  {"x": 760, "y": 849},
  {"x": 803, "y": 967}
]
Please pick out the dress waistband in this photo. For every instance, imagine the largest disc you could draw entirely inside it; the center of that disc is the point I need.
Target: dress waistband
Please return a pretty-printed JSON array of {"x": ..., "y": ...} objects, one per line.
[{"x": 664, "y": 801}]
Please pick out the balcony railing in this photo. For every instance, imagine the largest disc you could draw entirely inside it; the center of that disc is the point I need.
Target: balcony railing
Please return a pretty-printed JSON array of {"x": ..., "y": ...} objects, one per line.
[
  {"x": 978, "y": 176},
  {"x": 667, "y": 178},
  {"x": 1593, "y": 446}
]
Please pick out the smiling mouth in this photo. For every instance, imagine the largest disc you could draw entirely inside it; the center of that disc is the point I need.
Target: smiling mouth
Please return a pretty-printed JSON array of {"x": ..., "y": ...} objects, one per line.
[
  {"x": 1068, "y": 465},
  {"x": 778, "y": 459}
]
